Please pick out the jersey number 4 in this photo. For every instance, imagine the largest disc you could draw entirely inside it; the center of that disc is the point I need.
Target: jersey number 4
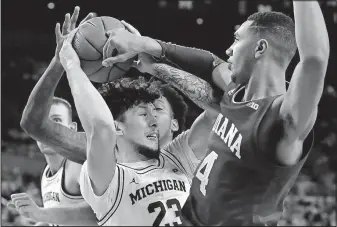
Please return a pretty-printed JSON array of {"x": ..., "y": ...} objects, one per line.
[
  {"x": 206, "y": 164},
  {"x": 159, "y": 204}
]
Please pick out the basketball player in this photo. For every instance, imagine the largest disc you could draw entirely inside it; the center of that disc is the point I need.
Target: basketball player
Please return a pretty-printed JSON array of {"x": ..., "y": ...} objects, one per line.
[
  {"x": 144, "y": 176},
  {"x": 263, "y": 132},
  {"x": 59, "y": 180},
  {"x": 166, "y": 109}
]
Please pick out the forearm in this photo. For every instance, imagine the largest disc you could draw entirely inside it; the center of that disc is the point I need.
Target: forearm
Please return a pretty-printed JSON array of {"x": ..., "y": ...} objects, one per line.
[
  {"x": 90, "y": 105},
  {"x": 40, "y": 99},
  {"x": 196, "y": 89},
  {"x": 70, "y": 215},
  {"x": 196, "y": 61},
  {"x": 310, "y": 29}
]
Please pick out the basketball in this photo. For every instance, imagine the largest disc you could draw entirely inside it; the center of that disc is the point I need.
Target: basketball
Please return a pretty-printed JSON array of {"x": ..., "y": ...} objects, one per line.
[{"x": 88, "y": 43}]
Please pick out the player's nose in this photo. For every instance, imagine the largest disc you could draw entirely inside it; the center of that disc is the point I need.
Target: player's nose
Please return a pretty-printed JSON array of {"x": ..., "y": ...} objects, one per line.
[
  {"x": 229, "y": 51},
  {"x": 152, "y": 119}
]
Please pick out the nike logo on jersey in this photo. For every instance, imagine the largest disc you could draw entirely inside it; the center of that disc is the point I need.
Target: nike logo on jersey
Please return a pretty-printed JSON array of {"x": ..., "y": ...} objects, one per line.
[
  {"x": 227, "y": 134},
  {"x": 253, "y": 105},
  {"x": 231, "y": 92},
  {"x": 155, "y": 187},
  {"x": 134, "y": 181}
]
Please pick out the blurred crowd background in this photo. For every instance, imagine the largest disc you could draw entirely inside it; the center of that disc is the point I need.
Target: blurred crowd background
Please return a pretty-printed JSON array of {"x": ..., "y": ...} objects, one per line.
[{"x": 28, "y": 44}]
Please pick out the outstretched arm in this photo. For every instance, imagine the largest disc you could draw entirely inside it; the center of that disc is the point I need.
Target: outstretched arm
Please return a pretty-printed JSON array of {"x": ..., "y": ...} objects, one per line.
[
  {"x": 96, "y": 119},
  {"x": 35, "y": 121},
  {"x": 195, "y": 61},
  {"x": 299, "y": 107},
  {"x": 196, "y": 89}
]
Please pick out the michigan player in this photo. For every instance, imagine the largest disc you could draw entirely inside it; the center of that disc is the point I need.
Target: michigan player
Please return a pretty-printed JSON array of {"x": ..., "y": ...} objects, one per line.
[
  {"x": 263, "y": 132},
  {"x": 59, "y": 180},
  {"x": 149, "y": 183}
]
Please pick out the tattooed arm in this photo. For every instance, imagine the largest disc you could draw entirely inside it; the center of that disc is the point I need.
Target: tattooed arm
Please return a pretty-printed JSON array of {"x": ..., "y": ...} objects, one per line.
[{"x": 196, "y": 89}]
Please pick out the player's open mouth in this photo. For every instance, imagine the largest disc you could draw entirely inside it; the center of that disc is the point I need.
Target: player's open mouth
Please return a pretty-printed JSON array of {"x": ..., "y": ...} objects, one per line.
[{"x": 152, "y": 136}]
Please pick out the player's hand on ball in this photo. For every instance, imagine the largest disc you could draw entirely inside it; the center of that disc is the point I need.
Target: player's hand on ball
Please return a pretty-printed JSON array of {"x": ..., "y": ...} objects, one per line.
[
  {"x": 69, "y": 25},
  {"x": 127, "y": 42},
  {"x": 26, "y": 206},
  {"x": 68, "y": 57}
]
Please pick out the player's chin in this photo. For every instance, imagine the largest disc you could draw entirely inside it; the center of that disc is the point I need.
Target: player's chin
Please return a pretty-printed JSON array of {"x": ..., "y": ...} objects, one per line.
[{"x": 152, "y": 144}]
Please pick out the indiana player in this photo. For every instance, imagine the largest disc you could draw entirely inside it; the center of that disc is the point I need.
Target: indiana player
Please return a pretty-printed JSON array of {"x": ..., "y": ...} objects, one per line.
[
  {"x": 125, "y": 171},
  {"x": 59, "y": 180},
  {"x": 263, "y": 132}
]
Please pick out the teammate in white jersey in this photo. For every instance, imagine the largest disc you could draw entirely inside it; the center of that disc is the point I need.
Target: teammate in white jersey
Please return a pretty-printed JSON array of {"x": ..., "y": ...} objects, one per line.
[{"x": 59, "y": 180}]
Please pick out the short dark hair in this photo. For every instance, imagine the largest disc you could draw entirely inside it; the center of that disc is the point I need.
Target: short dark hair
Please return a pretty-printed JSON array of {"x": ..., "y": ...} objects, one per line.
[
  {"x": 176, "y": 101},
  {"x": 125, "y": 93},
  {"x": 58, "y": 100},
  {"x": 280, "y": 28}
]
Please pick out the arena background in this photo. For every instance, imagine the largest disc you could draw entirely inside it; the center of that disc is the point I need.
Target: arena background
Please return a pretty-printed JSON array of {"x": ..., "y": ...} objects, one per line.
[{"x": 28, "y": 44}]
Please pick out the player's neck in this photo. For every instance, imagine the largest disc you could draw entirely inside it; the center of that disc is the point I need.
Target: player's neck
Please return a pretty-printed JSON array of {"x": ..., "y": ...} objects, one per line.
[
  {"x": 126, "y": 153},
  {"x": 268, "y": 79},
  {"x": 54, "y": 162},
  {"x": 166, "y": 140}
]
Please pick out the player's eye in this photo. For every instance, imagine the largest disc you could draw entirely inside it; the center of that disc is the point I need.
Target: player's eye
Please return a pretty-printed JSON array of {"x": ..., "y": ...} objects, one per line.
[
  {"x": 58, "y": 120},
  {"x": 159, "y": 109},
  {"x": 142, "y": 114}
]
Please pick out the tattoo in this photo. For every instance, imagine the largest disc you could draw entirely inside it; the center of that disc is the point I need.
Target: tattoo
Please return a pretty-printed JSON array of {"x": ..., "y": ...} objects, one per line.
[{"x": 196, "y": 89}]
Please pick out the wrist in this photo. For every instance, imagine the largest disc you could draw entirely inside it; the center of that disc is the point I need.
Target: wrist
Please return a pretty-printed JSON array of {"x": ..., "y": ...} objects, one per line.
[
  {"x": 152, "y": 47},
  {"x": 57, "y": 63}
]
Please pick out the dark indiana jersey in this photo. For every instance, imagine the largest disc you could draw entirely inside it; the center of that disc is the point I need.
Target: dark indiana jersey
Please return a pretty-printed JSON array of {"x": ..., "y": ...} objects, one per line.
[{"x": 236, "y": 184}]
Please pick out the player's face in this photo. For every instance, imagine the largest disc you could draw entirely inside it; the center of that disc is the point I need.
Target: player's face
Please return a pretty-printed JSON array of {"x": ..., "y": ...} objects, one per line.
[
  {"x": 59, "y": 113},
  {"x": 166, "y": 122},
  {"x": 140, "y": 129},
  {"x": 241, "y": 54}
]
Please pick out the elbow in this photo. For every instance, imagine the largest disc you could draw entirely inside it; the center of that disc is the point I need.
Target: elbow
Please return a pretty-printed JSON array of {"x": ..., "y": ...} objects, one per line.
[
  {"x": 30, "y": 125},
  {"x": 27, "y": 125},
  {"x": 316, "y": 60},
  {"x": 319, "y": 56}
]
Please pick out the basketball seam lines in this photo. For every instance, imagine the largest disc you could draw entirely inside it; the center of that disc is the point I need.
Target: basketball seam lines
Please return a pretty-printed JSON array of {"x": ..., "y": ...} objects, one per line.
[
  {"x": 94, "y": 47},
  {"x": 104, "y": 28},
  {"x": 95, "y": 71},
  {"x": 108, "y": 77},
  {"x": 119, "y": 68}
]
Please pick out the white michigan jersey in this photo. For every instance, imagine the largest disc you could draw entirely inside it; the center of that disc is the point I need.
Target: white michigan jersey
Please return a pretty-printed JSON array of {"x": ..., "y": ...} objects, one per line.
[
  {"x": 146, "y": 193},
  {"x": 52, "y": 191}
]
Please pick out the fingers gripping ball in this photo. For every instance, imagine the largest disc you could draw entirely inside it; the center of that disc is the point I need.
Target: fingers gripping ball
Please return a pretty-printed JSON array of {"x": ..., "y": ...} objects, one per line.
[{"x": 88, "y": 43}]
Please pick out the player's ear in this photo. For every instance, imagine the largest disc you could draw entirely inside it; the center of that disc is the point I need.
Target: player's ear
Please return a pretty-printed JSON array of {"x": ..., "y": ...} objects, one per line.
[
  {"x": 261, "y": 47},
  {"x": 174, "y": 125},
  {"x": 119, "y": 128},
  {"x": 73, "y": 126}
]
